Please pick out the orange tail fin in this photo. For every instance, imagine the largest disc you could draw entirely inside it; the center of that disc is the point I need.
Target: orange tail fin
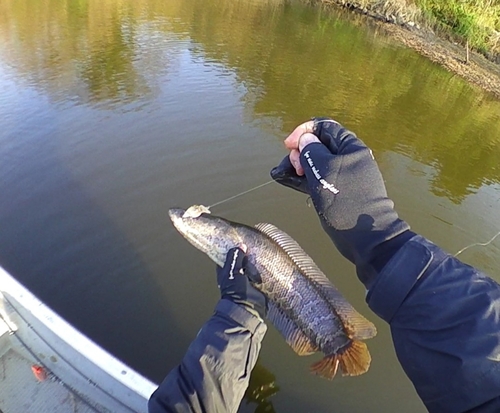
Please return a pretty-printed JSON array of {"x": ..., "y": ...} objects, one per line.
[{"x": 355, "y": 360}]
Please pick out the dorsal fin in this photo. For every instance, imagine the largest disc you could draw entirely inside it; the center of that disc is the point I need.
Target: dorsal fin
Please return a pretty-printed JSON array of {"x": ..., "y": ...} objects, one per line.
[{"x": 356, "y": 325}]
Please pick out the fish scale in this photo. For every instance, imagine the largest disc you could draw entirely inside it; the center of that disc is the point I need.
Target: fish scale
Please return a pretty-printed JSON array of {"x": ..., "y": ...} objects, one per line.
[
  {"x": 296, "y": 296},
  {"x": 304, "y": 306}
]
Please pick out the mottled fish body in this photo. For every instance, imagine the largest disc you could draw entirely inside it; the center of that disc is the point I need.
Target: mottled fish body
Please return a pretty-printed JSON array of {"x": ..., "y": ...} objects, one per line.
[{"x": 304, "y": 305}]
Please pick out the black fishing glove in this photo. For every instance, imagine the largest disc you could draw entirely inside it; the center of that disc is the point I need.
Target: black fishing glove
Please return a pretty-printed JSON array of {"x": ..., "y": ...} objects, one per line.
[
  {"x": 349, "y": 195},
  {"x": 285, "y": 174},
  {"x": 235, "y": 282}
]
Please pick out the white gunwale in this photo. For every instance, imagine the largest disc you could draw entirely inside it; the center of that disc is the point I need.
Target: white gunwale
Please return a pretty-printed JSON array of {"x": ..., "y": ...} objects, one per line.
[{"x": 37, "y": 335}]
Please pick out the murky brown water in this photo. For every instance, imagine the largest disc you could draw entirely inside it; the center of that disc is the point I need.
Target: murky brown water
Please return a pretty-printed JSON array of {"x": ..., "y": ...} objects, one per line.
[{"x": 113, "y": 111}]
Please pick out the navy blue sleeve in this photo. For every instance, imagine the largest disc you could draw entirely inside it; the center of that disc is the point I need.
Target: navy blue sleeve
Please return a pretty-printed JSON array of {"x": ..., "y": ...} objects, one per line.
[
  {"x": 445, "y": 322},
  {"x": 215, "y": 371}
]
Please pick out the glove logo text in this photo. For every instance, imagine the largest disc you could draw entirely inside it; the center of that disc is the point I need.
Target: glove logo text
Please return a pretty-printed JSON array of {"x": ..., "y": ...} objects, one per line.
[
  {"x": 231, "y": 271},
  {"x": 326, "y": 185}
]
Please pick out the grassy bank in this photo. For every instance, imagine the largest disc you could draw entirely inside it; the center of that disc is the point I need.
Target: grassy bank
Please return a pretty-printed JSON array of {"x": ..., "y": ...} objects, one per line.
[
  {"x": 474, "y": 21},
  {"x": 477, "y": 21}
]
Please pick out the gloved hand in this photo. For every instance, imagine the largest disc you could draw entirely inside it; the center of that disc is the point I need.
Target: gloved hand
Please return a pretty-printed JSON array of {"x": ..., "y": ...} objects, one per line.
[
  {"x": 348, "y": 192},
  {"x": 235, "y": 282}
]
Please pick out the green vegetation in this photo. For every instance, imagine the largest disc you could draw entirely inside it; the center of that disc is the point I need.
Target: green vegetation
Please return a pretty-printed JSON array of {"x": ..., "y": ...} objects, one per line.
[{"x": 477, "y": 21}]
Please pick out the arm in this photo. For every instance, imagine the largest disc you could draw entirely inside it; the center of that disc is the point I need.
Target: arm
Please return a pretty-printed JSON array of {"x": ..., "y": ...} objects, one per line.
[
  {"x": 445, "y": 323},
  {"x": 215, "y": 371},
  {"x": 444, "y": 315}
]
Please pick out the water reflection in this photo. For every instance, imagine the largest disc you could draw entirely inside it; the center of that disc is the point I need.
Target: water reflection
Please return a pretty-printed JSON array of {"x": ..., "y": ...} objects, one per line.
[
  {"x": 109, "y": 53},
  {"x": 293, "y": 61},
  {"x": 261, "y": 387},
  {"x": 308, "y": 62}
]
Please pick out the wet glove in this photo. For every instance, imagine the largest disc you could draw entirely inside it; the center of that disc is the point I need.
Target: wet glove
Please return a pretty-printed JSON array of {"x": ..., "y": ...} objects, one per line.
[
  {"x": 235, "y": 281},
  {"x": 349, "y": 195}
]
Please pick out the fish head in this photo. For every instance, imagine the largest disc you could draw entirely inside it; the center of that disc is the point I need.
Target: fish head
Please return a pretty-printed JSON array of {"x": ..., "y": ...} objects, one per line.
[{"x": 212, "y": 235}]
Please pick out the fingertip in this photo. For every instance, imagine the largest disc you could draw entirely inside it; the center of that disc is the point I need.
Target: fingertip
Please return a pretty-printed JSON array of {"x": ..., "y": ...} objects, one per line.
[
  {"x": 292, "y": 140},
  {"x": 295, "y": 161}
]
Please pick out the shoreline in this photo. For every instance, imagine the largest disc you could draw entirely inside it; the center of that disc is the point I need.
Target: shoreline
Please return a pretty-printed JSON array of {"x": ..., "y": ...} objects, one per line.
[{"x": 399, "y": 25}]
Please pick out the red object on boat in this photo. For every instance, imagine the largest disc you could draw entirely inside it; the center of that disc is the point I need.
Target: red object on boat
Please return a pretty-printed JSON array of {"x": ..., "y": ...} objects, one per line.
[{"x": 39, "y": 372}]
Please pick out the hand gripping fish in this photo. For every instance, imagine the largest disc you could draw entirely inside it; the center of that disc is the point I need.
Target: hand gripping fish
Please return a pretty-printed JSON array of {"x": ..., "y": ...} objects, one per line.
[{"x": 304, "y": 306}]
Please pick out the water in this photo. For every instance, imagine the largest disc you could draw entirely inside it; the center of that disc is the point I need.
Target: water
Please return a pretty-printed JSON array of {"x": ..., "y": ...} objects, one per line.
[{"x": 114, "y": 111}]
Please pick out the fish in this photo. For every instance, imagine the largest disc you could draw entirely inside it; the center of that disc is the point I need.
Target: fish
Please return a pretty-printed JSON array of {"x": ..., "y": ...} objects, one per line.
[{"x": 303, "y": 304}]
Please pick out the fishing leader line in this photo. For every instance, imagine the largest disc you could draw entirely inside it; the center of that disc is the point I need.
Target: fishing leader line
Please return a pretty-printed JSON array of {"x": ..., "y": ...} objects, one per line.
[{"x": 241, "y": 193}]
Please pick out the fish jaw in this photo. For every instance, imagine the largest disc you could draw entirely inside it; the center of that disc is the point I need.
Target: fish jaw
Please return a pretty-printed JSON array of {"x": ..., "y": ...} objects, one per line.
[{"x": 212, "y": 235}]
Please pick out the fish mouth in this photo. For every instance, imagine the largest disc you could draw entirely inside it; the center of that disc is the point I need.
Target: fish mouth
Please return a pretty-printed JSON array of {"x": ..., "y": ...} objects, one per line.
[
  {"x": 197, "y": 230},
  {"x": 176, "y": 213}
]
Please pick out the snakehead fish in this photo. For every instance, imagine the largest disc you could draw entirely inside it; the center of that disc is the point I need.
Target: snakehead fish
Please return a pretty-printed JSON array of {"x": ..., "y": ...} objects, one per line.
[{"x": 304, "y": 306}]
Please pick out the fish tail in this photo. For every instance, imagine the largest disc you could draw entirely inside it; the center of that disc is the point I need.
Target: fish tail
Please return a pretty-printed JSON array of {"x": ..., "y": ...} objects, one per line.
[
  {"x": 353, "y": 361},
  {"x": 327, "y": 367}
]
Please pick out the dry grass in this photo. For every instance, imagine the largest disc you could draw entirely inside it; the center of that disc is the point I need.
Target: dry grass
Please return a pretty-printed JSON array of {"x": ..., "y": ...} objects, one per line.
[{"x": 396, "y": 11}]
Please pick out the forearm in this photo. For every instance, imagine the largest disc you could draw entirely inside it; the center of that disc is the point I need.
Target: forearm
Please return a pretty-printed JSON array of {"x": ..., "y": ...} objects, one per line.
[
  {"x": 445, "y": 322},
  {"x": 215, "y": 371}
]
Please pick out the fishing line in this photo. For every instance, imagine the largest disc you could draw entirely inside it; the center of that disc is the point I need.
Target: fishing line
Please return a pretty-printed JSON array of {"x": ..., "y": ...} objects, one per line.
[
  {"x": 241, "y": 193},
  {"x": 265, "y": 183},
  {"x": 482, "y": 244}
]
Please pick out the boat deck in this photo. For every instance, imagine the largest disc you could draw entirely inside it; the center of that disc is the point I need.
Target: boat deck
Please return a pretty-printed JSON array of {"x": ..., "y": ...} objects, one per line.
[
  {"x": 48, "y": 366},
  {"x": 21, "y": 391}
]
